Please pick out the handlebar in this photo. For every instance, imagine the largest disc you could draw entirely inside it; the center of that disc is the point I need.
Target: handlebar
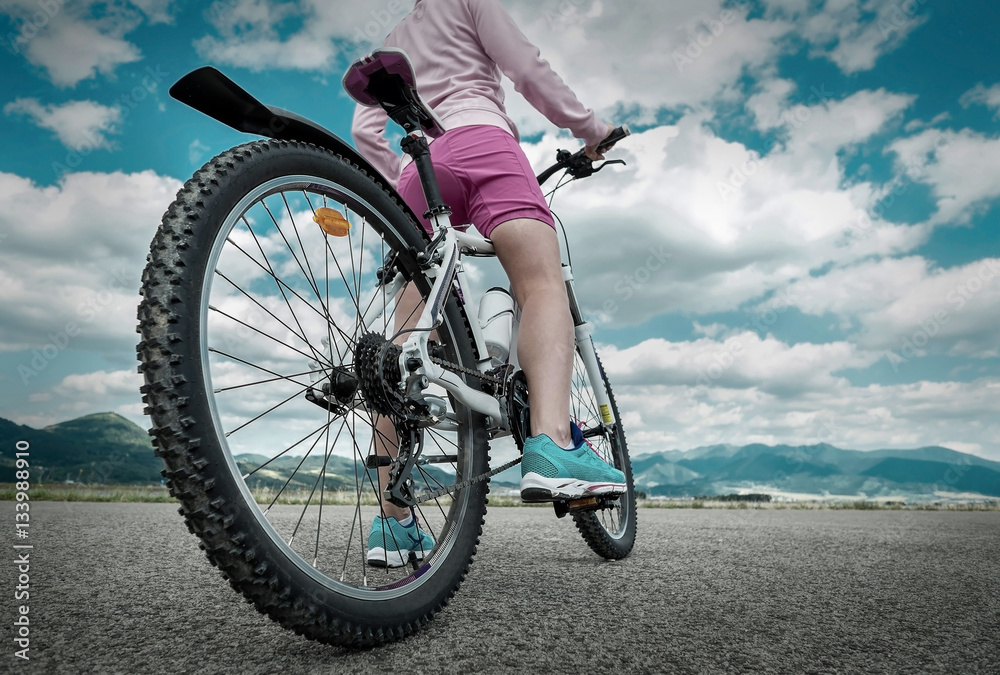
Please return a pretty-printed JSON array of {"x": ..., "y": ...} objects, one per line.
[{"x": 578, "y": 164}]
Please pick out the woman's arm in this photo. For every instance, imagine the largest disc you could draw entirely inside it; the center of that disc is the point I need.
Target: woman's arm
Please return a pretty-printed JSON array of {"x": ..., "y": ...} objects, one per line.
[
  {"x": 368, "y": 130},
  {"x": 532, "y": 76}
]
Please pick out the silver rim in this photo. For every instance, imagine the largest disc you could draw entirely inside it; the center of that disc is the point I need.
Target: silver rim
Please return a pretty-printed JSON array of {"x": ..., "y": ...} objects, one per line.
[{"x": 280, "y": 308}]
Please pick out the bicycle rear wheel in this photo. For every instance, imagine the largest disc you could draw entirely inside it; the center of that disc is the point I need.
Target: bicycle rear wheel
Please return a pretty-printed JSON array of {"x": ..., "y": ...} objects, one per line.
[
  {"x": 249, "y": 311},
  {"x": 609, "y": 532}
]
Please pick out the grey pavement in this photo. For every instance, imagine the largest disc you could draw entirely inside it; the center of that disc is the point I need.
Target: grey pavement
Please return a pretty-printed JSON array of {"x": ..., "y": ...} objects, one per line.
[{"x": 123, "y": 588}]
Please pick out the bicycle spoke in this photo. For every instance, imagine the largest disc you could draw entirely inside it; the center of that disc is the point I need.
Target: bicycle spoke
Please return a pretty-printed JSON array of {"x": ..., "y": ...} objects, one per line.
[
  {"x": 258, "y": 331},
  {"x": 266, "y": 310},
  {"x": 287, "y": 378},
  {"x": 270, "y": 270},
  {"x": 287, "y": 450},
  {"x": 267, "y": 381}
]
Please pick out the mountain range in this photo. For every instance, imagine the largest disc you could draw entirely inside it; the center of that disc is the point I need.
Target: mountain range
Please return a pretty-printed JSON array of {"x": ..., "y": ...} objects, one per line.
[
  {"x": 107, "y": 448},
  {"x": 816, "y": 470}
]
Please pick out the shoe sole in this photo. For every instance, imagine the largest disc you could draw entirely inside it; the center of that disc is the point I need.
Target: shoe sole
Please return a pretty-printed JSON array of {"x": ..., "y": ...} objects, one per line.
[
  {"x": 535, "y": 488},
  {"x": 379, "y": 557}
]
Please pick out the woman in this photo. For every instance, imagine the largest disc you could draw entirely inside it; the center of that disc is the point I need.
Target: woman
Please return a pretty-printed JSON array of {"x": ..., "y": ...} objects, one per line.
[{"x": 458, "y": 49}]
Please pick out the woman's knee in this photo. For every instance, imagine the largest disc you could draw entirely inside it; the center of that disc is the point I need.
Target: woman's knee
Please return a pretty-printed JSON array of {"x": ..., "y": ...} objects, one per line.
[{"x": 529, "y": 252}]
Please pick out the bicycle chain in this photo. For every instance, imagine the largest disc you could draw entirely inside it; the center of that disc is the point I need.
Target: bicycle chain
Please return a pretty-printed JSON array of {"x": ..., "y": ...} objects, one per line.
[
  {"x": 467, "y": 483},
  {"x": 483, "y": 476},
  {"x": 468, "y": 371}
]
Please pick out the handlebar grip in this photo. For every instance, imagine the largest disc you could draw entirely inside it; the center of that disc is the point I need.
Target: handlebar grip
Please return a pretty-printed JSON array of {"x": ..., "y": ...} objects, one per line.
[{"x": 615, "y": 136}]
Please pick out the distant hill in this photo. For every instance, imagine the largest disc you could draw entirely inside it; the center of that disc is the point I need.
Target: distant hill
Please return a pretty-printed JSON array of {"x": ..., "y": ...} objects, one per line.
[
  {"x": 107, "y": 448},
  {"x": 100, "y": 448}
]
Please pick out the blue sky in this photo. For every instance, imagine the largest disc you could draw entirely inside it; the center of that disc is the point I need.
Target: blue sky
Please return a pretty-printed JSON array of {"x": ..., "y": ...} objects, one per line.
[{"x": 818, "y": 179}]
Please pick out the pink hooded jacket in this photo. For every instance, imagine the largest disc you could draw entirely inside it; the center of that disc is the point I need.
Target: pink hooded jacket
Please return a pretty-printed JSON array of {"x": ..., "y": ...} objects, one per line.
[{"x": 459, "y": 48}]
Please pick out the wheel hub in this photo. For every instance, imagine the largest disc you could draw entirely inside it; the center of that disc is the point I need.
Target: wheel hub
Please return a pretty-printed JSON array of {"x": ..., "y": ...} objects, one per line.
[{"x": 337, "y": 392}]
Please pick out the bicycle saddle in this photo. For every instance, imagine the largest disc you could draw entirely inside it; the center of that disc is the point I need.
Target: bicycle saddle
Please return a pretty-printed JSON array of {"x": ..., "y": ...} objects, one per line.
[{"x": 386, "y": 78}]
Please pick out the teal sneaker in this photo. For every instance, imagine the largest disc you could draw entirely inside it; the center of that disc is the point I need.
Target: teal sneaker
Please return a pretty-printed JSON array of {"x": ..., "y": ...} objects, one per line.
[
  {"x": 390, "y": 544},
  {"x": 549, "y": 472}
]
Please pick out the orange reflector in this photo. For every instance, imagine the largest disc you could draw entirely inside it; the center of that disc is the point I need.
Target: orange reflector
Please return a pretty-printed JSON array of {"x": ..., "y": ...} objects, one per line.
[{"x": 332, "y": 222}]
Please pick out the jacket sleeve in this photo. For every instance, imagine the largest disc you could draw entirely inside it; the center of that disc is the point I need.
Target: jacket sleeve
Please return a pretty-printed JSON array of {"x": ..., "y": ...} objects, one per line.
[
  {"x": 532, "y": 76},
  {"x": 368, "y": 131}
]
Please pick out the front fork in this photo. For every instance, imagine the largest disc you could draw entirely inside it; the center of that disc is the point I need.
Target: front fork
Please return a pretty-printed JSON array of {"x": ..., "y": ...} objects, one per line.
[{"x": 585, "y": 346}]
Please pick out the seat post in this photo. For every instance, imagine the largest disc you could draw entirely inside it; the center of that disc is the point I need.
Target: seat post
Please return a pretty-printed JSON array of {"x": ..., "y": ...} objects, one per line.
[{"x": 415, "y": 145}]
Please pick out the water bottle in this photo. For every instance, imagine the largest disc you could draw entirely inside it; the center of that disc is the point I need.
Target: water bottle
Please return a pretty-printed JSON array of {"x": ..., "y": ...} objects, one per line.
[{"x": 496, "y": 318}]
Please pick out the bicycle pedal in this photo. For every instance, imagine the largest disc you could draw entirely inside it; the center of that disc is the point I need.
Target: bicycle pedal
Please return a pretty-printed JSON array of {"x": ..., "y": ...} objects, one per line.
[
  {"x": 563, "y": 507},
  {"x": 585, "y": 504},
  {"x": 375, "y": 461}
]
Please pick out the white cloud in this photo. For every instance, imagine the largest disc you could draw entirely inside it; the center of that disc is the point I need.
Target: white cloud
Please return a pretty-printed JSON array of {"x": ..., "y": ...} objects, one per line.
[
  {"x": 741, "y": 360},
  {"x": 83, "y": 394},
  {"x": 822, "y": 124},
  {"x": 772, "y": 392},
  {"x": 119, "y": 383},
  {"x": 157, "y": 11},
  {"x": 74, "y": 253},
  {"x": 77, "y": 124},
  {"x": 959, "y": 166},
  {"x": 197, "y": 151},
  {"x": 80, "y": 40},
  {"x": 982, "y": 95},
  {"x": 737, "y": 225},
  {"x": 643, "y": 58},
  {"x": 896, "y": 302},
  {"x": 851, "y": 34},
  {"x": 250, "y": 36},
  {"x": 833, "y": 125}
]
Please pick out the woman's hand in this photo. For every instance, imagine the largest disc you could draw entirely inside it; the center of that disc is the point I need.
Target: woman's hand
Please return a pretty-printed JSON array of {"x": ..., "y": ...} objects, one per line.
[{"x": 591, "y": 150}]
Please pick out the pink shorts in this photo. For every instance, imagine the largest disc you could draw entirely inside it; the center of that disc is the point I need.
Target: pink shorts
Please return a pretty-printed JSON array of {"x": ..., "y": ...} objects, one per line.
[{"x": 484, "y": 177}]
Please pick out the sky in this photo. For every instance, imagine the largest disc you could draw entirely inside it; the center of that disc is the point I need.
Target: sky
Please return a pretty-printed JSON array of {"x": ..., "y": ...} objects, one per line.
[{"x": 803, "y": 246}]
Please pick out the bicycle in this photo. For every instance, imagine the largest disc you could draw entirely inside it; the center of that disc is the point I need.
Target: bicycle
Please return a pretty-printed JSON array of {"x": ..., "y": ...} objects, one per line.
[{"x": 267, "y": 348}]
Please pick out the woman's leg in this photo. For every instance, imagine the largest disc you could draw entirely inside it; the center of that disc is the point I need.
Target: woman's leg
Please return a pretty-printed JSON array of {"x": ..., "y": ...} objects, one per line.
[
  {"x": 529, "y": 252},
  {"x": 408, "y": 309}
]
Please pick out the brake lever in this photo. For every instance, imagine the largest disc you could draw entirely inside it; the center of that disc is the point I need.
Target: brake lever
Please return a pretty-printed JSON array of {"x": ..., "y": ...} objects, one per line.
[
  {"x": 610, "y": 161},
  {"x": 586, "y": 168}
]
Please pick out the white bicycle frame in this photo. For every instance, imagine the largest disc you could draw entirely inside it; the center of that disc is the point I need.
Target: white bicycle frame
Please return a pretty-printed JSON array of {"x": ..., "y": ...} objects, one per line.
[{"x": 447, "y": 272}]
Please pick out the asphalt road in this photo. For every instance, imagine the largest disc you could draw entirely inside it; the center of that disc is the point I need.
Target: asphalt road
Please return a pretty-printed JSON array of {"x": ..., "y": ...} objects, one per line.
[{"x": 123, "y": 588}]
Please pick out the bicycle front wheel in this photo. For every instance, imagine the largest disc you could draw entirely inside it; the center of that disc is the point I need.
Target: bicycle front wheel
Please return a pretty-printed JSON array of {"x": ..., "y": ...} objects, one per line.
[
  {"x": 250, "y": 321},
  {"x": 609, "y": 532}
]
